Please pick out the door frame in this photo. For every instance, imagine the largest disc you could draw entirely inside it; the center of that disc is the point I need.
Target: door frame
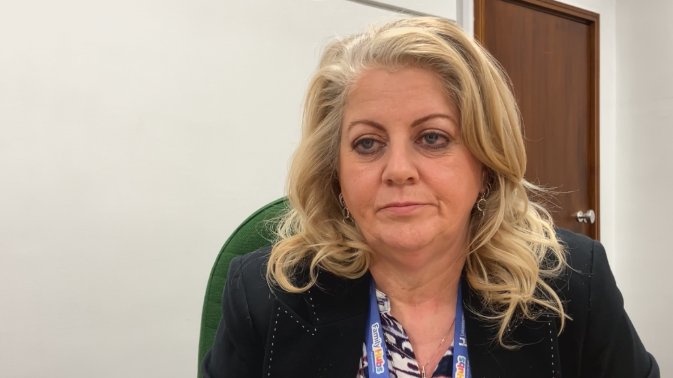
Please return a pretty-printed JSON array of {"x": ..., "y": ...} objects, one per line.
[{"x": 592, "y": 20}]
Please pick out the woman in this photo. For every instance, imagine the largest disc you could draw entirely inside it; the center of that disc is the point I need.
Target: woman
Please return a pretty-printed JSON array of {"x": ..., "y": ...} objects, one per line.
[{"x": 412, "y": 249}]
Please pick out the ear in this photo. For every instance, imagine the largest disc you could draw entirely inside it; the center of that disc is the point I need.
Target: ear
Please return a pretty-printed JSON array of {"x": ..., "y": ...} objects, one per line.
[
  {"x": 335, "y": 174},
  {"x": 485, "y": 177}
]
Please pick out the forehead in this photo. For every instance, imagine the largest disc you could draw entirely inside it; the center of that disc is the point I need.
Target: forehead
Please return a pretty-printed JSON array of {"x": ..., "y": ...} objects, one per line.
[{"x": 383, "y": 91}]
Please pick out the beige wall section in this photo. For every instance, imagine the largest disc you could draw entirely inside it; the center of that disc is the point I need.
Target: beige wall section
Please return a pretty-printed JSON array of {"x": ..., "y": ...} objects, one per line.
[
  {"x": 645, "y": 170},
  {"x": 134, "y": 137}
]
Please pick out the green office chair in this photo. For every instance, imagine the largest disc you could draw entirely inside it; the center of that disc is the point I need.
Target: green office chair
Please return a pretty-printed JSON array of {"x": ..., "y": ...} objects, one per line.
[{"x": 254, "y": 233}]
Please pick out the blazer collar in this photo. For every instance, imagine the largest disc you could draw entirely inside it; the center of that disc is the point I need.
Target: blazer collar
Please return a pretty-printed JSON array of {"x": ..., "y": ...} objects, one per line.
[
  {"x": 339, "y": 307},
  {"x": 536, "y": 354},
  {"x": 319, "y": 333},
  {"x": 332, "y": 299},
  {"x": 335, "y": 299}
]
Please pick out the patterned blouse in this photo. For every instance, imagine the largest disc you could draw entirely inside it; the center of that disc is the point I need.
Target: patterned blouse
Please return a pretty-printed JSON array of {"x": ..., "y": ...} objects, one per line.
[{"x": 401, "y": 360}]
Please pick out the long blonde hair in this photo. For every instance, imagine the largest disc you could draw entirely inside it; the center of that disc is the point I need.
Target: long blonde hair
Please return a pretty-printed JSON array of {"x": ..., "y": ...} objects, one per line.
[{"x": 513, "y": 248}]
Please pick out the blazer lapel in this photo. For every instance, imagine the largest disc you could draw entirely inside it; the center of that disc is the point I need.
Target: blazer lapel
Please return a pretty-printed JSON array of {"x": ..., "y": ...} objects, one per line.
[
  {"x": 537, "y": 355},
  {"x": 327, "y": 325}
]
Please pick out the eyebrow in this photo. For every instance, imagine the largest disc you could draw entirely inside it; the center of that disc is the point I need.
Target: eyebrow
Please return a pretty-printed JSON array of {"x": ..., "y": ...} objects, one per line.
[{"x": 413, "y": 124}]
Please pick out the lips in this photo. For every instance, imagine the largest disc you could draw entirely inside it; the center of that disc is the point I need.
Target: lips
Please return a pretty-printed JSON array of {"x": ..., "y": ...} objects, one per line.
[{"x": 402, "y": 208}]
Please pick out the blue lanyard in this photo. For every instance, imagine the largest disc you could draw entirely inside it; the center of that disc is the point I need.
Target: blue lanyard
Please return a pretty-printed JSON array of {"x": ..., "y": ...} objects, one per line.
[
  {"x": 377, "y": 357},
  {"x": 461, "y": 362}
]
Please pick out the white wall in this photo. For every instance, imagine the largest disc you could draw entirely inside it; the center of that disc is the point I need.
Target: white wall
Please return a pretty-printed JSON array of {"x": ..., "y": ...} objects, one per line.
[
  {"x": 441, "y": 8},
  {"x": 134, "y": 137},
  {"x": 645, "y": 175}
]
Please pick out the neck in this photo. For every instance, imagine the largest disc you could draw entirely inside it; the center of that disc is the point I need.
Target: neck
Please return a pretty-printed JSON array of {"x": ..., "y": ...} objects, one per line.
[
  {"x": 422, "y": 287},
  {"x": 419, "y": 279}
]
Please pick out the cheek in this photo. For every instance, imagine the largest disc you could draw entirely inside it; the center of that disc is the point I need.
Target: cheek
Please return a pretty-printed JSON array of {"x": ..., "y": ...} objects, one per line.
[
  {"x": 456, "y": 182},
  {"x": 359, "y": 184}
]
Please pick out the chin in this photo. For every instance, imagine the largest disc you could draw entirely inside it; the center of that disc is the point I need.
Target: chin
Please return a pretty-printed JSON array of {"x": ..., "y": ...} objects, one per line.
[{"x": 408, "y": 238}]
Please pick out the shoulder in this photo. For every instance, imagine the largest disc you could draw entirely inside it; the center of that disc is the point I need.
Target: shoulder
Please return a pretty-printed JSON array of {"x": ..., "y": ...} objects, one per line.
[
  {"x": 577, "y": 285},
  {"x": 579, "y": 249},
  {"x": 587, "y": 262},
  {"x": 586, "y": 279},
  {"x": 249, "y": 268},
  {"x": 249, "y": 297},
  {"x": 588, "y": 275},
  {"x": 247, "y": 281},
  {"x": 583, "y": 256},
  {"x": 599, "y": 339},
  {"x": 247, "y": 277}
]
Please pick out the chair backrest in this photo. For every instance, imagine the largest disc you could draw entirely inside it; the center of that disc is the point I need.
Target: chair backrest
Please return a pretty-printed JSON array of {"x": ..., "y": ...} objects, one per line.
[{"x": 254, "y": 233}]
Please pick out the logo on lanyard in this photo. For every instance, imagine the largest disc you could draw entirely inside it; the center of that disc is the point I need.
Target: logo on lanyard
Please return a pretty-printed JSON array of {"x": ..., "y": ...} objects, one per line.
[
  {"x": 460, "y": 367},
  {"x": 377, "y": 347}
]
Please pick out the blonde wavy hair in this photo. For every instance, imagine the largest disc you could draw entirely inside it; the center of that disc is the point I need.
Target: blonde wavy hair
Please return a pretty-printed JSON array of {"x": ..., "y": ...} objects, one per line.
[{"x": 513, "y": 249}]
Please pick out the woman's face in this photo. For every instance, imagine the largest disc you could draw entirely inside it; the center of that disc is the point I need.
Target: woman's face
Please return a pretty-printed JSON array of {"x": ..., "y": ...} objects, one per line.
[{"x": 407, "y": 178}]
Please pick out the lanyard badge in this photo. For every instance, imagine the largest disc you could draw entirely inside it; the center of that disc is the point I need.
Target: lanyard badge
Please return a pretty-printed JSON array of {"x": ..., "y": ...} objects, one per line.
[{"x": 377, "y": 357}]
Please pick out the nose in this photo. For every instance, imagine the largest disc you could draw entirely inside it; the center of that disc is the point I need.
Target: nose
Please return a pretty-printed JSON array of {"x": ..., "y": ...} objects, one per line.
[{"x": 400, "y": 167}]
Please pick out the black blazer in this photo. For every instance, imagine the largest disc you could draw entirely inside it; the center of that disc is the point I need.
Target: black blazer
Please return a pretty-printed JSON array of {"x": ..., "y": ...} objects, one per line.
[{"x": 272, "y": 333}]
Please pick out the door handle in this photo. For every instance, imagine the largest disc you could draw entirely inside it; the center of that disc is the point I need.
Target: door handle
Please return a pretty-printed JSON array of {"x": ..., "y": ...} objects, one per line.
[{"x": 588, "y": 217}]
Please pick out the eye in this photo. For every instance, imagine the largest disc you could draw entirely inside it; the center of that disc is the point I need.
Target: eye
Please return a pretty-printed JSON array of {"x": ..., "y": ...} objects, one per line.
[
  {"x": 367, "y": 146},
  {"x": 434, "y": 140},
  {"x": 431, "y": 138}
]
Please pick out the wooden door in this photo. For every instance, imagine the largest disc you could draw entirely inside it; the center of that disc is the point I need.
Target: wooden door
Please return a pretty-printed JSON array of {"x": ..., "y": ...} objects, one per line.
[{"x": 550, "y": 51}]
